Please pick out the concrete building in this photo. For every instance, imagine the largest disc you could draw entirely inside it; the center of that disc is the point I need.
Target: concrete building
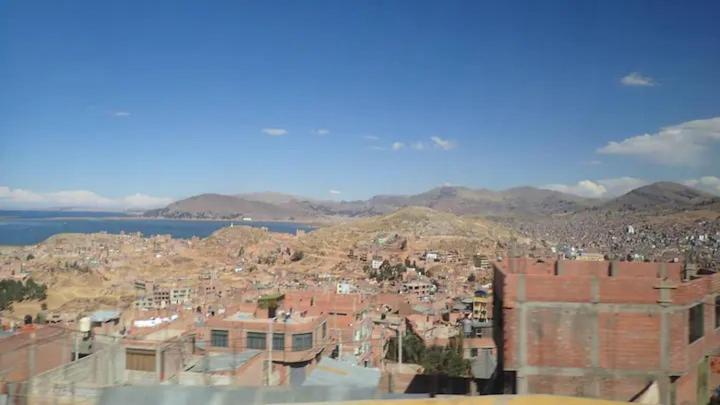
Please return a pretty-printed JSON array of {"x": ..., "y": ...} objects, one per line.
[
  {"x": 345, "y": 288},
  {"x": 590, "y": 257},
  {"x": 606, "y": 329},
  {"x": 349, "y": 323},
  {"x": 431, "y": 257},
  {"x": 481, "y": 261},
  {"x": 482, "y": 354},
  {"x": 180, "y": 295},
  {"x": 297, "y": 339},
  {"x": 482, "y": 305},
  {"x": 419, "y": 288},
  {"x": 29, "y": 351}
]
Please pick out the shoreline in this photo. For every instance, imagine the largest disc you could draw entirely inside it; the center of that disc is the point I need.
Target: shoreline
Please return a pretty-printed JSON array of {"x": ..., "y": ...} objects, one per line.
[
  {"x": 223, "y": 223},
  {"x": 316, "y": 223}
]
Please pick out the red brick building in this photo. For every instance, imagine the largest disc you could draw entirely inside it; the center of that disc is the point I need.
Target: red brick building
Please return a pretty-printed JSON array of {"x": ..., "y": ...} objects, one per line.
[
  {"x": 607, "y": 329},
  {"x": 297, "y": 338},
  {"x": 348, "y": 321}
]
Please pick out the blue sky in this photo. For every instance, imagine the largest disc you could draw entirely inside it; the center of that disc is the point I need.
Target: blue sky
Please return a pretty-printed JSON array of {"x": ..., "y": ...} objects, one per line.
[{"x": 134, "y": 103}]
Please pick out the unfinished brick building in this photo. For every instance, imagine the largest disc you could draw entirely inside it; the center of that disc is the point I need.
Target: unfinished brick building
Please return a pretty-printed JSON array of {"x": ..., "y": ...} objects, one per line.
[{"x": 607, "y": 329}]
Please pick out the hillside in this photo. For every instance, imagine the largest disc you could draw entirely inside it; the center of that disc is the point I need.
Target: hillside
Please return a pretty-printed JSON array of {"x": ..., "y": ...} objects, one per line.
[
  {"x": 422, "y": 227},
  {"x": 666, "y": 220},
  {"x": 662, "y": 196}
]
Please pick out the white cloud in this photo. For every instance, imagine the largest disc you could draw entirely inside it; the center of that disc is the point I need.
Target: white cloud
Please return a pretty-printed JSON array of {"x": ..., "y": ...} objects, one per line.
[
  {"x": 583, "y": 188},
  {"x": 637, "y": 79},
  {"x": 397, "y": 145},
  {"x": 710, "y": 184},
  {"x": 18, "y": 195},
  {"x": 443, "y": 144},
  {"x": 121, "y": 114},
  {"x": 418, "y": 145},
  {"x": 621, "y": 185},
  {"x": 275, "y": 131},
  {"x": 322, "y": 131},
  {"x": 335, "y": 192},
  {"x": 599, "y": 188},
  {"x": 371, "y": 138},
  {"x": 20, "y": 198},
  {"x": 139, "y": 200},
  {"x": 685, "y": 144}
]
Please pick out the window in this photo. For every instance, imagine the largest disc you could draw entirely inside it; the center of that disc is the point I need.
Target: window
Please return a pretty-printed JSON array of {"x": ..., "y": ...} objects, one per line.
[
  {"x": 695, "y": 324},
  {"x": 717, "y": 311},
  {"x": 324, "y": 330},
  {"x": 302, "y": 341},
  {"x": 140, "y": 359},
  {"x": 256, "y": 340},
  {"x": 278, "y": 341},
  {"x": 219, "y": 338},
  {"x": 473, "y": 352}
]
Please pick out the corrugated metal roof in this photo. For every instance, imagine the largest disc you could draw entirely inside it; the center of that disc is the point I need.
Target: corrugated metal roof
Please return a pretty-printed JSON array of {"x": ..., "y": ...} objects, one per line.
[
  {"x": 178, "y": 394},
  {"x": 104, "y": 315},
  {"x": 332, "y": 372},
  {"x": 224, "y": 362}
]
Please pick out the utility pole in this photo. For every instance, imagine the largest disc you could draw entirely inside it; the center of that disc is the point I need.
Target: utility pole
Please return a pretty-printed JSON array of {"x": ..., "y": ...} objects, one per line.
[
  {"x": 339, "y": 339},
  {"x": 76, "y": 342},
  {"x": 400, "y": 339},
  {"x": 270, "y": 350},
  {"x": 31, "y": 362}
]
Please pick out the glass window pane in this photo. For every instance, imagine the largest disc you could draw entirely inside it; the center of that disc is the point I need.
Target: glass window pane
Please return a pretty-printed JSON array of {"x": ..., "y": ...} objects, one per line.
[{"x": 256, "y": 340}]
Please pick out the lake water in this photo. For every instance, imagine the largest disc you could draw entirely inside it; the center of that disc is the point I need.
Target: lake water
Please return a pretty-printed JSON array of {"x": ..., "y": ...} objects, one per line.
[{"x": 31, "y": 227}]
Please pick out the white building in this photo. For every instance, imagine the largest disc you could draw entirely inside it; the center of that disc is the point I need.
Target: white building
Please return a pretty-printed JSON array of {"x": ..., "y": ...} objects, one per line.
[
  {"x": 180, "y": 295},
  {"x": 345, "y": 288}
]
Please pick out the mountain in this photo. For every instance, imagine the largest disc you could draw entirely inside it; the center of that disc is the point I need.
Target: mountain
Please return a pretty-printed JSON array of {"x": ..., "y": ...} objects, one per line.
[
  {"x": 662, "y": 196},
  {"x": 457, "y": 200},
  {"x": 519, "y": 202},
  {"x": 222, "y": 206},
  {"x": 270, "y": 197},
  {"x": 466, "y": 201}
]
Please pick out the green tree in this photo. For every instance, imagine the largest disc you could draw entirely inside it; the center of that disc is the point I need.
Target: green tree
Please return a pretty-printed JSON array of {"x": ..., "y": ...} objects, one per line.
[
  {"x": 435, "y": 360},
  {"x": 445, "y": 361},
  {"x": 14, "y": 291}
]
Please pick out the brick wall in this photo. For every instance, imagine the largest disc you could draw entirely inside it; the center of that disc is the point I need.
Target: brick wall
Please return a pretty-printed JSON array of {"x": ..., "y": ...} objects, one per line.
[
  {"x": 629, "y": 340},
  {"x": 560, "y": 385},
  {"x": 559, "y": 338},
  {"x": 621, "y": 388},
  {"x": 679, "y": 341},
  {"x": 579, "y": 313},
  {"x": 686, "y": 388},
  {"x": 628, "y": 291},
  {"x": 559, "y": 289}
]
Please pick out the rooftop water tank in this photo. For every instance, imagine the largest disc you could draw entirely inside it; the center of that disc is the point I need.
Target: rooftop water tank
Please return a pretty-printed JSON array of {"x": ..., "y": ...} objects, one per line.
[{"x": 84, "y": 324}]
